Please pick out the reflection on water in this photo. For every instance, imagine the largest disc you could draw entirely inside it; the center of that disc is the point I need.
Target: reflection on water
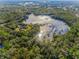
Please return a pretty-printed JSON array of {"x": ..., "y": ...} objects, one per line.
[{"x": 1, "y": 46}]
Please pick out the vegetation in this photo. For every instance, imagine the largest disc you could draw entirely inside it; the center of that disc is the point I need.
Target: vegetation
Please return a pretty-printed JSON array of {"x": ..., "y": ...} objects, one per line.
[{"x": 19, "y": 40}]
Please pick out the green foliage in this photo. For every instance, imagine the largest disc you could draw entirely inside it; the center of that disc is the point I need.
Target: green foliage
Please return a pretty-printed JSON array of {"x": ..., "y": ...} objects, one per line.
[
  {"x": 3, "y": 32},
  {"x": 21, "y": 42}
]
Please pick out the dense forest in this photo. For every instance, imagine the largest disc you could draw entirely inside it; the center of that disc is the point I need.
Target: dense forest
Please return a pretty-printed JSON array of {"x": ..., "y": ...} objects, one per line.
[{"x": 19, "y": 41}]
